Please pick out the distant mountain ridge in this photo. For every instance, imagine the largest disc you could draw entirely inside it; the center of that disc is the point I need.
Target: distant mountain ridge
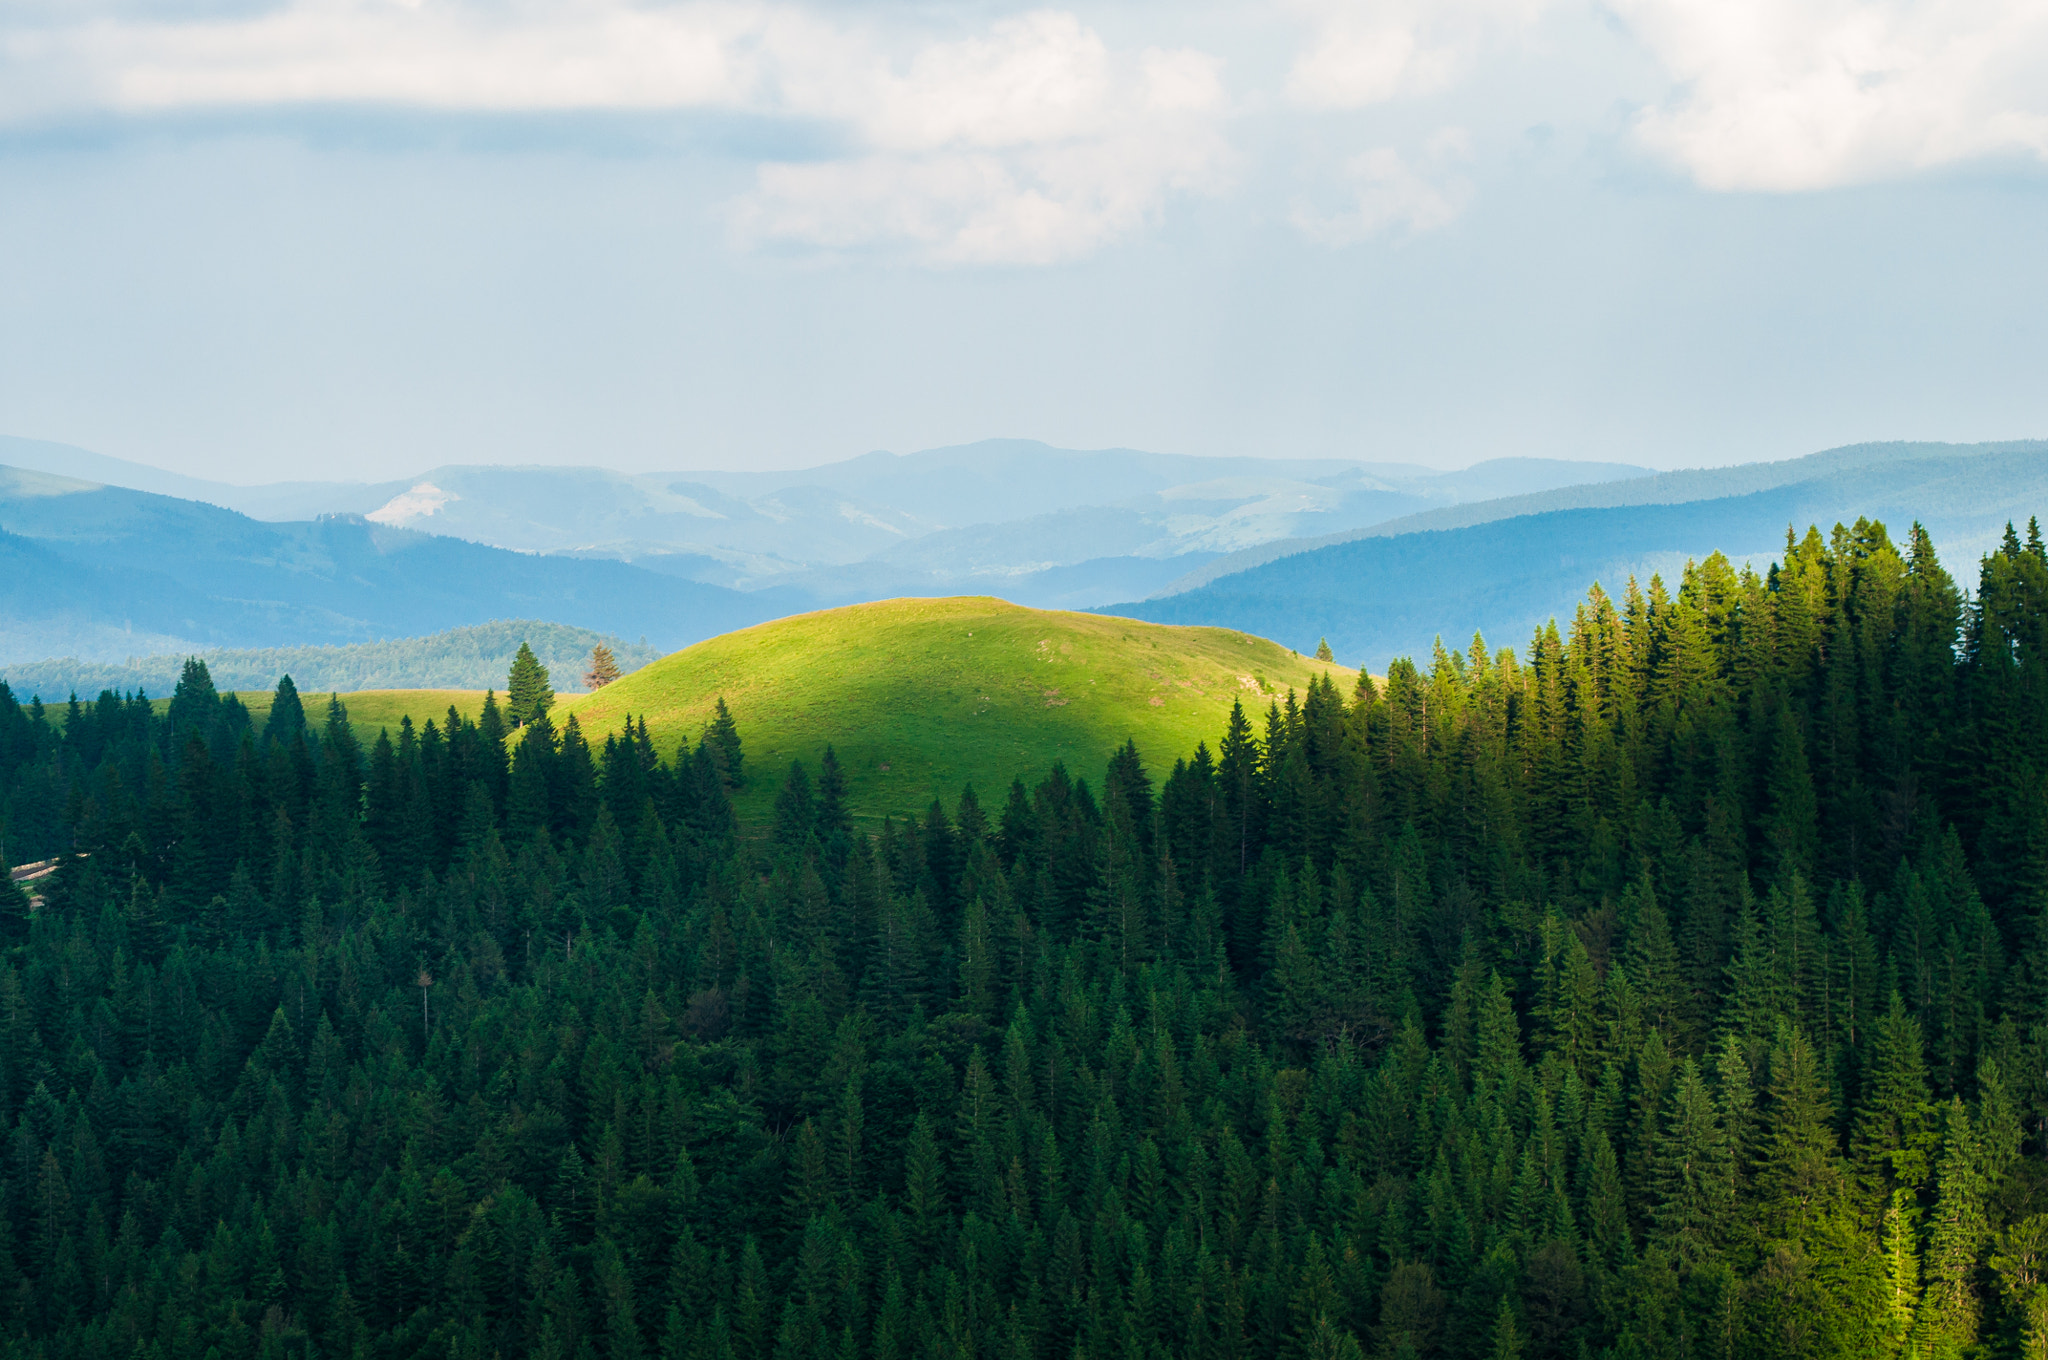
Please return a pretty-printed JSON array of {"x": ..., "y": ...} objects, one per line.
[
  {"x": 1517, "y": 563},
  {"x": 1046, "y": 525},
  {"x": 477, "y": 657},
  {"x": 103, "y": 573},
  {"x": 1663, "y": 488}
]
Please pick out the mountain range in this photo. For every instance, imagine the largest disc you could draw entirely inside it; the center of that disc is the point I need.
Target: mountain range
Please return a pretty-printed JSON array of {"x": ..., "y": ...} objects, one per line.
[
  {"x": 102, "y": 573},
  {"x": 1378, "y": 558},
  {"x": 1046, "y": 525},
  {"x": 1503, "y": 567}
]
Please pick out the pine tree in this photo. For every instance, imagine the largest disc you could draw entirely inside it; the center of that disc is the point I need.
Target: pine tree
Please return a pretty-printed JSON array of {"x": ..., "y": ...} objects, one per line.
[
  {"x": 1790, "y": 825},
  {"x": 1323, "y": 652},
  {"x": 722, "y": 739},
  {"x": 1506, "y": 1341},
  {"x": 795, "y": 810},
  {"x": 1893, "y": 1136},
  {"x": 1695, "y": 1193},
  {"x": 2020, "y": 1259},
  {"x": 14, "y": 904},
  {"x": 1950, "y": 1310},
  {"x": 194, "y": 701},
  {"x": 1797, "y": 1173},
  {"x": 287, "y": 720},
  {"x": 527, "y": 694},
  {"x": 604, "y": 668}
]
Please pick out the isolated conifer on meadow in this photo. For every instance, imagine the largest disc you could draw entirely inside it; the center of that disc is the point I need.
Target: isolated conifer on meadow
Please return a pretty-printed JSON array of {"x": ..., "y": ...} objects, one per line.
[
  {"x": 1323, "y": 652},
  {"x": 287, "y": 713},
  {"x": 604, "y": 668},
  {"x": 527, "y": 693},
  {"x": 194, "y": 696}
]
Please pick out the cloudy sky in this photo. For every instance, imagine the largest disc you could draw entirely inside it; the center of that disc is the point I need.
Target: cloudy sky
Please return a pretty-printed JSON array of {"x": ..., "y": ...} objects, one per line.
[{"x": 258, "y": 239}]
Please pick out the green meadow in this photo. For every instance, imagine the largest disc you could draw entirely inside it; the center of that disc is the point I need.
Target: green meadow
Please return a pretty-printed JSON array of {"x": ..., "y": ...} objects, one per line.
[
  {"x": 922, "y": 696},
  {"x": 918, "y": 697}
]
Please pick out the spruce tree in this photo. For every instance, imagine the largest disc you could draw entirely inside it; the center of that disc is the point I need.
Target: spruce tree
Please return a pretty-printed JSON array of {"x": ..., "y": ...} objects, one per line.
[
  {"x": 604, "y": 668},
  {"x": 1950, "y": 1309},
  {"x": 1695, "y": 1193},
  {"x": 527, "y": 695},
  {"x": 1894, "y": 1135},
  {"x": 795, "y": 810},
  {"x": 194, "y": 700},
  {"x": 722, "y": 739},
  {"x": 14, "y": 908},
  {"x": 1797, "y": 1170}
]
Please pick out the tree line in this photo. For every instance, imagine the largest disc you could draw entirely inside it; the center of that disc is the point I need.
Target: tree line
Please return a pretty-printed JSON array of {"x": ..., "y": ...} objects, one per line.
[{"x": 1676, "y": 986}]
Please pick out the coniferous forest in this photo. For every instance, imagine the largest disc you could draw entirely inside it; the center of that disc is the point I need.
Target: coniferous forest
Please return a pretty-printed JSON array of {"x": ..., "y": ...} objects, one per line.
[{"x": 1675, "y": 987}]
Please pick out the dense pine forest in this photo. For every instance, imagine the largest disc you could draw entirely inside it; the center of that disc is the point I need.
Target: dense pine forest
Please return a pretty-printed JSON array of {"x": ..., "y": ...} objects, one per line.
[{"x": 1675, "y": 987}]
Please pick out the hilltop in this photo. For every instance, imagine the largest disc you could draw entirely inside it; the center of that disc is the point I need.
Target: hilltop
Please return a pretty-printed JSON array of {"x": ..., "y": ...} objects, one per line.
[{"x": 922, "y": 696}]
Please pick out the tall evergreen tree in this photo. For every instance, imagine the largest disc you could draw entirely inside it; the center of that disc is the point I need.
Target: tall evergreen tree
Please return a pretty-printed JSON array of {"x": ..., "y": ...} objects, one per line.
[
  {"x": 722, "y": 739},
  {"x": 527, "y": 693}
]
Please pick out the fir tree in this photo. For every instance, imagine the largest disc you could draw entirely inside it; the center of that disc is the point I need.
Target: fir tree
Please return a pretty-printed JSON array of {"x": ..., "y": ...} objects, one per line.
[
  {"x": 1950, "y": 1309},
  {"x": 722, "y": 739},
  {"x": 1893, "y": 1135},
  {"x": 604, "y": 668},
  {"x": 527, "y": 694},
  {"x": 1797, "y": 1171},
  {"x": 194, "y": 701},
  {"x": 1694, "y": 1184}
]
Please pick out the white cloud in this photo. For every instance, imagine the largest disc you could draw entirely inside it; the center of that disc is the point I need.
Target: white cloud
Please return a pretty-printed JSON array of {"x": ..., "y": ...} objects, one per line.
[
  {"x": 1364, "y": 52},
  {"x": 1034, "y": 206},
  {"x": 440, "y": 55},
  {"x": 1387, "y": 193},
  {"x": 1031, "y": 145},
  {"x": 1028, "y": 142},
  {"x": 1785, "y": 96}
]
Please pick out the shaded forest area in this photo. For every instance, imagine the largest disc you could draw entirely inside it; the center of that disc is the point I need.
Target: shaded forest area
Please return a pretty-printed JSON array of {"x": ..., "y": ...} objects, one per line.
[{"x": 1678, "y": 988}]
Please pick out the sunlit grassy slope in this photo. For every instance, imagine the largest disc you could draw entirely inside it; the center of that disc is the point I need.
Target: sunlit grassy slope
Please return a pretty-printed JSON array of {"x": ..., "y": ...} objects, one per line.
[
  {"x": 919, "y": 697},
  {"x": 371, "y": 710}
]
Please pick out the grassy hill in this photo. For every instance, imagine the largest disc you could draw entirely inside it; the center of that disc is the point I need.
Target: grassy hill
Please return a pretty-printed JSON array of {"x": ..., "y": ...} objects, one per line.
[
  {"x": 919, "y": 697},
  {"x": 371, "y": 710}
]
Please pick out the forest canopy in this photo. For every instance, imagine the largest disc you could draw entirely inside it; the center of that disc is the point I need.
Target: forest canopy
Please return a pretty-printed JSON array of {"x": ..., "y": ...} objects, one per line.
[{"x": 1676, "y": 986}]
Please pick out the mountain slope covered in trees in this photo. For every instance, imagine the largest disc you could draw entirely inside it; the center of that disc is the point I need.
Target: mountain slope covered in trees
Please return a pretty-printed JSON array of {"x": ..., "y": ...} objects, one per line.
[
  {"x": 1966, "y": 491},
  {"x": 1676, "y": 987},
  {"x": 1502, "y": 567}
]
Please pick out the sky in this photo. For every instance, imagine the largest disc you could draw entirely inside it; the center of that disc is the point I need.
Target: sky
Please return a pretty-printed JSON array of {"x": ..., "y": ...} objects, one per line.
[{"x": 277, "y": 239}]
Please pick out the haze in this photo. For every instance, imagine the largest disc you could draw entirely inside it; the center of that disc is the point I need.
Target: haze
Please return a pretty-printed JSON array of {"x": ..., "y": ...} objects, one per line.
[{"x": 350, "y": 239}]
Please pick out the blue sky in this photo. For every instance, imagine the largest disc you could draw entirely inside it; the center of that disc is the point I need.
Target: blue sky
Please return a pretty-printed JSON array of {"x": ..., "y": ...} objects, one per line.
[{"x": 262, "y": 239}]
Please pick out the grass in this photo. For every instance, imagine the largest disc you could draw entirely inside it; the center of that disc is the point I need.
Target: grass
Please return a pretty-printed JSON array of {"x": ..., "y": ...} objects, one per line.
[
  {"x": 373, "y": 710},
  {"x": 921, "y": 697},
  {"x": 369, "y": 710},
  {"x": 918, "y": 697}
]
